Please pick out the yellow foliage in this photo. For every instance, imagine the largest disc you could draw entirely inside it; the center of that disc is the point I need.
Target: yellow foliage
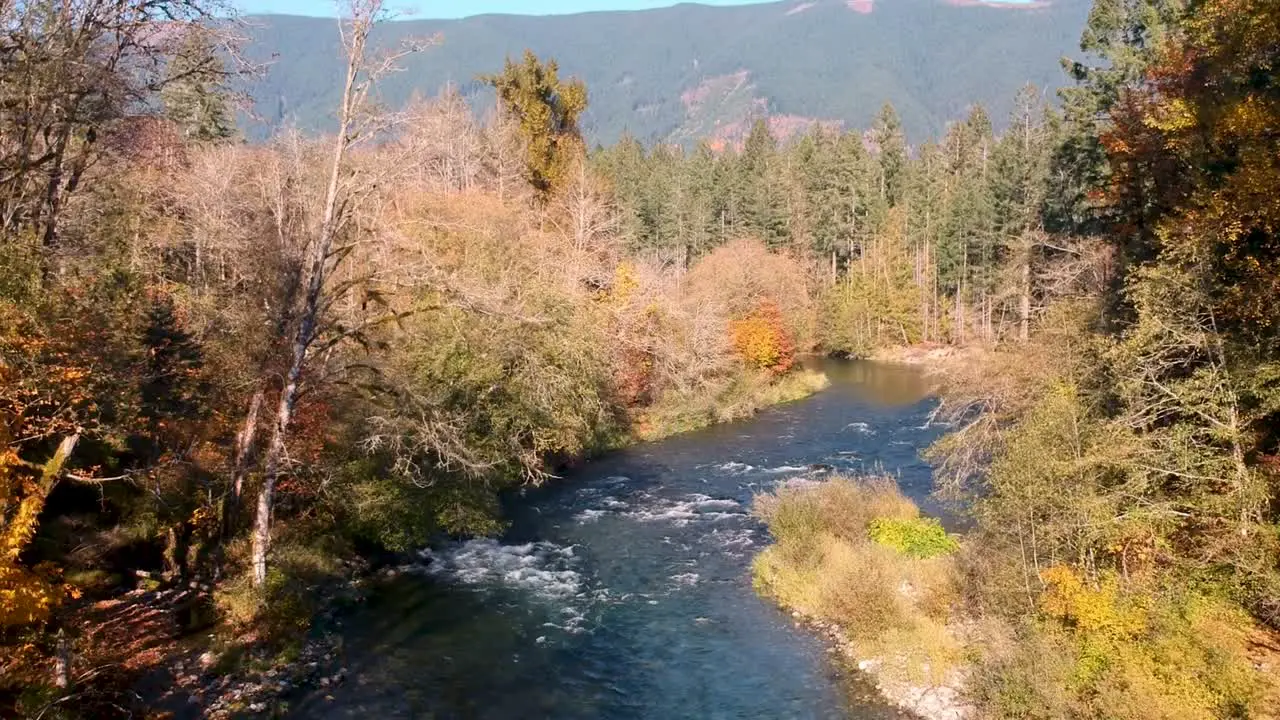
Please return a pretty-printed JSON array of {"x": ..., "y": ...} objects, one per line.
[
  {"x": 25, "y": 598},
  {"x": 1099, "y": 608},
  {"x": 625, "y": 284},
  {"x": 762, "y": 341}
]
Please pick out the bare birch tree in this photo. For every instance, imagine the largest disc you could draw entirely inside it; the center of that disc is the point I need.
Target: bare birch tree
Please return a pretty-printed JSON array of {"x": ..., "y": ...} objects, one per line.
[{"x": 357, "y": 122}]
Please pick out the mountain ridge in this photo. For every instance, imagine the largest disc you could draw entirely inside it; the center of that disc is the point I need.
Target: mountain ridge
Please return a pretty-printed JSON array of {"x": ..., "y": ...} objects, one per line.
[{"x": 830, "y": 61}]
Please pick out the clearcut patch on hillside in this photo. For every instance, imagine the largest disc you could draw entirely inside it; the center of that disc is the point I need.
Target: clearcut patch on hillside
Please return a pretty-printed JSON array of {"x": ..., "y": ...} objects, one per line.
[{"x": 722, "y": 109}]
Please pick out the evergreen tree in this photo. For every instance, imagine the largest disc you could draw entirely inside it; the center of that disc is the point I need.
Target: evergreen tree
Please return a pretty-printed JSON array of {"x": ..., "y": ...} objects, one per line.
[
  {"x": 764, "y": 207},
  {"x": 193, "y": 96},
  {"x": 891, "y": 148},
  {"x": 546, "y": 110},
  {"x": 1121, "y": 37},
  {"x": 625, "y": 165}
]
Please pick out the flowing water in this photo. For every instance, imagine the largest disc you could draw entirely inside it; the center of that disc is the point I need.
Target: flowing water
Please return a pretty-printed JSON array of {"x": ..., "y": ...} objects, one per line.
[{"x": 625, "y": 591}]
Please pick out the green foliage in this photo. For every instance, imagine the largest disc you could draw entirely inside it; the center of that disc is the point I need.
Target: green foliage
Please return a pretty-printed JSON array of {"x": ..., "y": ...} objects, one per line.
[
  {"x": 546, "y": 112},
  {"x": 917, "y": 537},
  {"x": 399, "y": 516},
  {"x": 193, "y": 94}
]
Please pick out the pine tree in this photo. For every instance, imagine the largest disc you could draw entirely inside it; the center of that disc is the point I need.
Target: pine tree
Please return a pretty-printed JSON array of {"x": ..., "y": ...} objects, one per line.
[
  {"x": 764, "y": 208},
  {"x": 891, "y": 148},
  {"x": 546, "y": 111},
  {"x": 1122, "y": 37},
  {"x": 193, "y": 96}
]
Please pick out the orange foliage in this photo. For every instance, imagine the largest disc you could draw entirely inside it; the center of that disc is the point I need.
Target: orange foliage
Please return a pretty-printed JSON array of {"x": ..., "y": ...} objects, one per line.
[
  {"x": 762, "y": 340},
  {"x": 1198, "y": 162},
  {"x": 42, "y": 397}
]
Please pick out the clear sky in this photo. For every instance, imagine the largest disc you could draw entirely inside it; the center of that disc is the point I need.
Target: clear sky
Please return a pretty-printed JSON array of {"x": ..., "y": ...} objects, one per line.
[{"x": 462, "y": 8}]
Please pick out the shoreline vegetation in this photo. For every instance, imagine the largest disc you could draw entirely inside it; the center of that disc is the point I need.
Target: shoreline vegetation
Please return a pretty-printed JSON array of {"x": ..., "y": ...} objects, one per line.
[
  {"x": 900, "y": 608},
  {"x": 1117, "y": 464},
  {"x": 232, "y": 373},
  {"x": 854, "y": 560}
]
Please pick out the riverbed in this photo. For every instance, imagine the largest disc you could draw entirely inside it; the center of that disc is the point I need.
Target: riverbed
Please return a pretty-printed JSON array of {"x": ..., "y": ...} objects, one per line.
[{"x": 624, "y": 590}]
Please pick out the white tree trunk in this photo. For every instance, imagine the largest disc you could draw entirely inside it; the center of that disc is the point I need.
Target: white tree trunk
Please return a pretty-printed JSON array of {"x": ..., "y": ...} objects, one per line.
[
  {"x": 354, "y": 93},
  {"x": 244, "y": 446}
]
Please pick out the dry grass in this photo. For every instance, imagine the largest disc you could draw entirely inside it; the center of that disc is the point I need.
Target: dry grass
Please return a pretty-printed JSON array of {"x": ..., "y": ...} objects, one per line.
[
  {"x": 825, "y": 565},
  {"x": 738, "y": 399}
]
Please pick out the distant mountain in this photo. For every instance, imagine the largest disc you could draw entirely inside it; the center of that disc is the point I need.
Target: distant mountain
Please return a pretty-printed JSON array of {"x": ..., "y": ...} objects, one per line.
[{"x": 691, "y": 71}]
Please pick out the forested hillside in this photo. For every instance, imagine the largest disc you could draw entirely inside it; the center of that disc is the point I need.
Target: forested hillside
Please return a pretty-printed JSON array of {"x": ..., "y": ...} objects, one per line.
[{"x": 692, "y": 72}]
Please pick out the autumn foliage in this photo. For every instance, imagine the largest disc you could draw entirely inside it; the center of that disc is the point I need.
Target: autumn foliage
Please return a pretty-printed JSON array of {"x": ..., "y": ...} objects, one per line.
[
  {"x": 42, "y": 400},
  {"x": 763, "y": 341}
]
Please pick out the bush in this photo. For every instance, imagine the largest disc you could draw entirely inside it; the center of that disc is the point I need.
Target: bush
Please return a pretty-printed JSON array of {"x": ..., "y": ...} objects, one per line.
[
  {"x": 763, "y": 341},
  {"x": 1100, "y": 651},
  {"x": 840, "y": 506},
  {"x": 917, "y": 537}
]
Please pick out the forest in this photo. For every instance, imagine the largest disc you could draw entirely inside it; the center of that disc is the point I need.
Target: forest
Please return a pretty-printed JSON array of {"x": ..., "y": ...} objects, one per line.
[{"x": 241, "y": 371}]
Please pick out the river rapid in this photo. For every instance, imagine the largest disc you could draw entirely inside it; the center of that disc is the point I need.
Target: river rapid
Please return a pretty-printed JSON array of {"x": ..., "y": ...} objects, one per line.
[{"x": 624, "y": 591}]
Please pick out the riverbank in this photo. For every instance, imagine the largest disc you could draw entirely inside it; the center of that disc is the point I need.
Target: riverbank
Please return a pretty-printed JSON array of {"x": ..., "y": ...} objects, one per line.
[
  {"x": 901, "y": 601},
  {"x": 618, "y": 592},
  {"x": 233, "y": 660},
  {"x": 741, "y": 398},
  {"x": 931, "y": 358}
]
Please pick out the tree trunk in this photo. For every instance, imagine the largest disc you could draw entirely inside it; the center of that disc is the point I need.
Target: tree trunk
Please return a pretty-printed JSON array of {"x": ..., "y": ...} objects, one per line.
[
  {"x": 1024, "y": 302},
  {"x": 62, "y": 662},
  {"x": 353, "y": 94},
  {"x": 244, "y": 447},
  {"x": 171, "y": 551},
  {"x": 271, "y": 472}
]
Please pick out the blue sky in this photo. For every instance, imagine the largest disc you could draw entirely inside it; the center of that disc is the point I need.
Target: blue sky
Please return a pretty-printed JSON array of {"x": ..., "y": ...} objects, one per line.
[{"x": 462, "y": 8}]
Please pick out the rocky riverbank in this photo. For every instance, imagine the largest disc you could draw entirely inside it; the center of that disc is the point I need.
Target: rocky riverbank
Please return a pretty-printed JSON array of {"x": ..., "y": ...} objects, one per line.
[{"x": 943, "y": 700}]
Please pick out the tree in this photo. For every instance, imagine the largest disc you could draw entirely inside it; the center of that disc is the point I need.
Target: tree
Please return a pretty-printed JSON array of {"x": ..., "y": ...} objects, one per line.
[
  {"x": 193, "y": 96},
  {"x": 69, "y": 72},
  {"x": 891, "y": 149},
  {"x": 546, "y": 111},
  {"x": 1018, "y": 194},
  {"x": 764, "y": 207},
  {"x": 326, "y": 256},
  {"x": 1121, "y": 37}
]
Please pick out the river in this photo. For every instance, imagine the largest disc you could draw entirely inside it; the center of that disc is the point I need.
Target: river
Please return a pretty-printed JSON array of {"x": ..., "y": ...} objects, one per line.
[{"x": 625, "y": 590}]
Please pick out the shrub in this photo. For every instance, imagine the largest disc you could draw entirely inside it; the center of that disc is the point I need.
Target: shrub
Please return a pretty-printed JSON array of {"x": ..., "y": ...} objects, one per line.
[
  {"x": 1104, "y": 652},
  {"x": 917, "y": 537},
  {"x": 742, "y": 273},
  {"x": 839, "y": 506}
]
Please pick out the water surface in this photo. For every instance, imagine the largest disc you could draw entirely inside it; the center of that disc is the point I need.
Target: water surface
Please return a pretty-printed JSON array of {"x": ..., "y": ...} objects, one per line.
[{"x": 625, "y": 590}]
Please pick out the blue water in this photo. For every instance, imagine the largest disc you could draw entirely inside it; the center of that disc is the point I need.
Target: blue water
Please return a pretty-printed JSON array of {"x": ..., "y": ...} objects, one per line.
[{"x": 625, "y": 591}]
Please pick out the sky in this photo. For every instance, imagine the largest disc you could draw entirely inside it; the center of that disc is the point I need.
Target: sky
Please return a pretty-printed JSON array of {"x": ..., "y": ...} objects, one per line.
[{"x": 463, "y": 8}]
